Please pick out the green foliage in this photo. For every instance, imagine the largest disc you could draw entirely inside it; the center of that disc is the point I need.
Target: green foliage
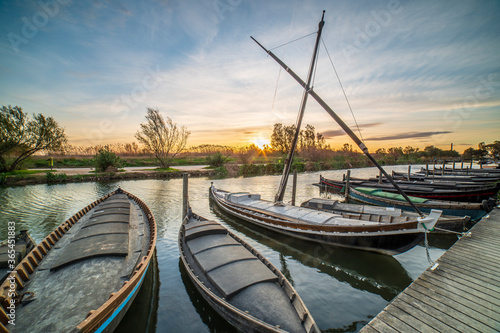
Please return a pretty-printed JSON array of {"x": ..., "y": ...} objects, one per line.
[
  {"x": 3, "y": 178},
  {"x": 21, "y": 136},
  {"x": 56, "y": 178},
  {"x": 221, "y": 172},
  {"x": 104, "y": 159},
  {"x": 216, "y": 160}
]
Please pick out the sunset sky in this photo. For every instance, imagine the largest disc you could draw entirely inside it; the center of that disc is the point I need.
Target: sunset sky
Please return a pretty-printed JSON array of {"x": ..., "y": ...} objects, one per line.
[{"x": 416, "y": 73}]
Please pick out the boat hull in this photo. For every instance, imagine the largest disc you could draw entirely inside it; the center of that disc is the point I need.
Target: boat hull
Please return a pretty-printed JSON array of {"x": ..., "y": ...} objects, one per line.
[
  {"x": 207, "y": 249},
  {"x": 389, "y": 242},
  {"x": 458, "y": 209}
]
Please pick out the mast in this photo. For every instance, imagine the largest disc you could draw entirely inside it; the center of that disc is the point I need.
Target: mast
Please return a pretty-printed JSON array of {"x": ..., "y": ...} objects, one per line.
[
  {"x": 342, "y": 124},
  {"x": 307, "y": 86}
]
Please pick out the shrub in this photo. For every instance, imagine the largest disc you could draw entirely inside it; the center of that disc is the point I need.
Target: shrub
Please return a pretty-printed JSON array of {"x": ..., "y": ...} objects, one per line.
[
  {"x": 3, "y": 178},
  {"x": 56, "y": 178},
  {"x": 216, "y": 160},
  {"x": 104, "y": 159}
]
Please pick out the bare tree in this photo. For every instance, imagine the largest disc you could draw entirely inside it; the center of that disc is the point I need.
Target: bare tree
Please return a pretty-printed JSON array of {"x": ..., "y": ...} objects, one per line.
[{"x": 162, "y": 137}]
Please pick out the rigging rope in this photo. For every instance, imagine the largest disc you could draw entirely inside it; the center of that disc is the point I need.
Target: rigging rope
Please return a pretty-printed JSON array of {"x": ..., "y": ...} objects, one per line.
[
  {"x": 345, "y": 95},
  {"x": 427, "y": 249},
  {"x": 274, "y": 48}
]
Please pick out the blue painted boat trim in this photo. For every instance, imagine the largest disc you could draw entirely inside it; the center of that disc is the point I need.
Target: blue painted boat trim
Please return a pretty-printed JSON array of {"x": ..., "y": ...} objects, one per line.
[{"x": 120, "y": 308}]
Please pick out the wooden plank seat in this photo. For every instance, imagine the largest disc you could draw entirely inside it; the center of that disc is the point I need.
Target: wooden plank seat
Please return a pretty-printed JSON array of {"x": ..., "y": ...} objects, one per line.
[
  {"x": 203, "y": 243},
  {"x": 222, "y": 255},
  {"x": 95, "y": 246},
  {"x": 204, "y": 230},
  {"x": 114, "y": 204},
  {"x": 102, "y": 229},
  {"x": 109, "y": 218},
  {"x": 110, "y": 211},
  {"x": 236, "y": 276}
]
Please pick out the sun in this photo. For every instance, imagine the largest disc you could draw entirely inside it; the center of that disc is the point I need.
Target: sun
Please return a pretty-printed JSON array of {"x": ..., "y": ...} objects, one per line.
[{"x": 260, "y": 142}]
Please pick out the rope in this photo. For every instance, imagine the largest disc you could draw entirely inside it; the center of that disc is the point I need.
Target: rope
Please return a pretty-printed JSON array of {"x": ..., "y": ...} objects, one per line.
[
  {"x": 427, "y": 249},
  {"x": 312, "y": 33},
  {"x": 345, "y": 95}
]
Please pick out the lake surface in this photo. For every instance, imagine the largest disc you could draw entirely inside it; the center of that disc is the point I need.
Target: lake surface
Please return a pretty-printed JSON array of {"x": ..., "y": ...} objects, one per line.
[{"x": 342, "y": 288}]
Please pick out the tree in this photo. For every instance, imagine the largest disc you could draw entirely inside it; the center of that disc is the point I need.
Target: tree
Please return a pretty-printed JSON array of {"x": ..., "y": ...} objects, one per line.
[
  {"x": 21, "y": 137},
  {"x": 494, "y": 148},
  {"x": 105, "y": 159},
  {"x": 162, "y": 137}
]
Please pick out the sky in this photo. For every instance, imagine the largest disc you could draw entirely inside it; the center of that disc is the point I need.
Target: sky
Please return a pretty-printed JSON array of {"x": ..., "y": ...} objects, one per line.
[{"x": 415, "y": 73}]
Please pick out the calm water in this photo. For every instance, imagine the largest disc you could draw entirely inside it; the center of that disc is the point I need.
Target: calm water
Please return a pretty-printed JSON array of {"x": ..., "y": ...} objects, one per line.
[{"x": 342, "y": 288}]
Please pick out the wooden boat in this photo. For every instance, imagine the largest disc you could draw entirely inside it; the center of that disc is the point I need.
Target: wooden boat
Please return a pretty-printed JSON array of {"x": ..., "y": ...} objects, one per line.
[
  {"x": 13, "y": 250},
  {"x": 447, "y": 178},
  {"x": 373, "y": 196},
  {"x": 422, "y": 191},
  {"x": 333, "y": 229},
  {"x": 85, "y": 274},
  {"x": 377, "y": 213},
  {"x": 238, "y": 282}
]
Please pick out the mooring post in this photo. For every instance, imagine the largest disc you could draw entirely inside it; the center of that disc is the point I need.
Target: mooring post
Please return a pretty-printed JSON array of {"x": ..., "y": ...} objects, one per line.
[
  {"x": 453, "y": 166},
  {"x": 294, "y": 186},
  {"x": 444, "y": 164},
  {"x": 379, "y": 176},
  {"x": 409, "y": 171},
  {"x": 184, "y": 195},
  {"x": 471, "y": 160},
  {"x": 347, "y": 181},
  {"x": 427, "y": 170},
  {"x": 462, "y": 165}
]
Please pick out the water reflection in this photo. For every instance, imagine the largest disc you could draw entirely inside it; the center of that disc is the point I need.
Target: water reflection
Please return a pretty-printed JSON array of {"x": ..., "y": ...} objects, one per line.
[
  {"x": 208, "y": 315},
  {"x": 143, "y": 312},
  {"x": 376, "y": 273}
]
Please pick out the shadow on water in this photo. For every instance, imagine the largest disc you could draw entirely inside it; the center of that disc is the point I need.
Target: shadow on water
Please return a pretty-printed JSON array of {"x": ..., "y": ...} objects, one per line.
[
  {"x": 372, "y": 272},
  {"x": 143, "y": 312},
  {"x": 208, "y": 315}
]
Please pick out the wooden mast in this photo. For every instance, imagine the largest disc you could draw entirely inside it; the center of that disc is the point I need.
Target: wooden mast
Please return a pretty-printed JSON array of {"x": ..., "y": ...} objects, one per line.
[
  {"x": 342, "y": 124},
  {"x": 307, "y": 86}
]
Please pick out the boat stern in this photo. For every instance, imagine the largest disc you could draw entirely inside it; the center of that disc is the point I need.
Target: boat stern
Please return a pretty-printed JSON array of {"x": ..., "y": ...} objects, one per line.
[{"x": 427, "y": 223}]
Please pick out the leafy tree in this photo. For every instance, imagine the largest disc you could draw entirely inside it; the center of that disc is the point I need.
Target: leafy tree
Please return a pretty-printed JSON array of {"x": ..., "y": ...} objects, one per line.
[
  {"x": 21, "y": 136},
  {"x": 216, "y": 160},
  {"x": 493, "y": 148},
  {"x": 162, "y": 137}
]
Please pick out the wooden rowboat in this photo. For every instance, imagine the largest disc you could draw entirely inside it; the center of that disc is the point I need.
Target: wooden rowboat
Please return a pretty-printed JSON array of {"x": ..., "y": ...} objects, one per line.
[
  {"x": 378, "y": 197},
  {"x": 422, "y": 191},
  {"x": 390, "y": 214},
  {"x": 238, "y": 282},
  {"x": 85, "y": 274},
  {"x": 333, "y": 229}
]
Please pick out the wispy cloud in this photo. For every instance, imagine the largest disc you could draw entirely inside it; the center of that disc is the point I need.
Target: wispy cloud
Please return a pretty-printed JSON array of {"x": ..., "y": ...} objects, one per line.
[{"x": 410, "y": 135}]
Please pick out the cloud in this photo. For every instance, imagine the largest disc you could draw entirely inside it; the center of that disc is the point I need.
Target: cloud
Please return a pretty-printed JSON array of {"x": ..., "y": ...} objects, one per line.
[
  {"x": 409, "y": 135},
  {"x": 333, "y": 133}
]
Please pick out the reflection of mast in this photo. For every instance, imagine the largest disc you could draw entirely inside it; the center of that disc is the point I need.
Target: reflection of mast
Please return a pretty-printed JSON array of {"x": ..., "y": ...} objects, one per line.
[
  {"x": 309, "y": 90},
  {"x": 288, "y": 163},
  {"x": 285, "y": 270}
]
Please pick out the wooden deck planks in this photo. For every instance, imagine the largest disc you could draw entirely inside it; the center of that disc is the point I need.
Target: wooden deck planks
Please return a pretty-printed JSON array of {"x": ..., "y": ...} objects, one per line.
[{"x": 461, "y": 294}]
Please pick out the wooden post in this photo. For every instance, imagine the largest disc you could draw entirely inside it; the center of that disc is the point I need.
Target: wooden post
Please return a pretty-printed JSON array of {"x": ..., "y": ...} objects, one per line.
[
  {"x": 380, "y": 177},
  {"x": 409, "y": 171},
  {"x": 471, "y": 163},
  {"x": 294, "y": 186},
  {"x": 453, "y": 166},
  {"x": 462, "y": 165},
  {"x": 442, "y": 170},
  {"x": 426, "y": 170},
  {"x": 184, "y": 195},
  {"x": 347, "y": 181}
]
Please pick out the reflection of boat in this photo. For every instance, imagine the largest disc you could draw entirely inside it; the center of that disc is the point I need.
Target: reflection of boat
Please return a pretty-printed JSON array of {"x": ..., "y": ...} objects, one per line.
[
  {"x": 85, "y": 274},
  {"x": 363, "y": 270},
  {"x": 322, "y": 227},
  {"x": 13, "y": 250},
  {"x": 381, "y": 198},
  {"x": 143, "y": 312},
  {"x": 376, "y": 213},
  {"x": 238, "y": 282},
  {"x": 476, "y": 194}
]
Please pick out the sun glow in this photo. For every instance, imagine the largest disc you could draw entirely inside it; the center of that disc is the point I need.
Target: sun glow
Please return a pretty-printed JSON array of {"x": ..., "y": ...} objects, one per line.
[{"x": 260, "y": 142}]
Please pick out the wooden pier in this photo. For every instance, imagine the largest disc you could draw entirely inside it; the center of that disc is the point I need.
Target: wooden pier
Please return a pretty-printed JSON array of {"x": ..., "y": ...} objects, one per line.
[{"x": 460, "y": 293}]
